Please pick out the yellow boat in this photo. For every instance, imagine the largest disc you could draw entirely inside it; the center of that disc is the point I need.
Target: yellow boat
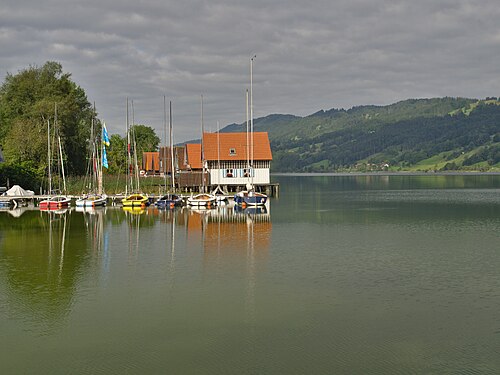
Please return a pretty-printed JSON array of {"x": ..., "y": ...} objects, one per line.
[{"x": 136, "y": 200}]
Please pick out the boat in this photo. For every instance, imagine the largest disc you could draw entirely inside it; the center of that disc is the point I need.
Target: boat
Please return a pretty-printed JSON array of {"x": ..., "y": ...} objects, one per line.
[
  {"x": 135, "y": 199},
  {"x": 60, "y": 200},
  {"x": 98, "y": 160},
  {"x": 169, "y": 200},
  {"x": 202, "y": 200},
  {"x": 54, "y": 203},
  {"x": 91, "y": 200},
  {"x": 250, "y": 197}
]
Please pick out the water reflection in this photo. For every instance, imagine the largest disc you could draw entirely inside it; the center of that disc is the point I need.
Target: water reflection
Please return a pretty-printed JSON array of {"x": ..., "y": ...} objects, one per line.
[{"x": 39, "y": 267}]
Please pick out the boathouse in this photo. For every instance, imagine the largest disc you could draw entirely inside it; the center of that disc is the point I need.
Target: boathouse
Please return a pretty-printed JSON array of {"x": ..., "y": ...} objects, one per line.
[{"x": 231, "y": 161}]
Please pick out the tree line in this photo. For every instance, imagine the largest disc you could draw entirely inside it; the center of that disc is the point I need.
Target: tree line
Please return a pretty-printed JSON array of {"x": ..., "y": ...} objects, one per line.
[{"x": 36, "y": 97}]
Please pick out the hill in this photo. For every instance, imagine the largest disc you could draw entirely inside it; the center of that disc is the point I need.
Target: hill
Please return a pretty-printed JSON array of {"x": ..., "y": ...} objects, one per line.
[{"x": 415, "y": 134}]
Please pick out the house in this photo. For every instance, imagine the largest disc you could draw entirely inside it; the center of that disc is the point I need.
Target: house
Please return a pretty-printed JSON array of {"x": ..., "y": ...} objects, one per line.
[{"x": 231, "y": 160}]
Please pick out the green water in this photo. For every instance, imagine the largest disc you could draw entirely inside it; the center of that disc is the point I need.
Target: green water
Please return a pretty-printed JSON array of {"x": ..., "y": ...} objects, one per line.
[{"x": 361, "y": 274}]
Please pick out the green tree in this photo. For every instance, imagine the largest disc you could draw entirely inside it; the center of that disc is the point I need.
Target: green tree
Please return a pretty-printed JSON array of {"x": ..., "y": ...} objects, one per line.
[
  {"x": 145, "y": 139},
  {"x": 28, "y": 100},
  {"x": 117, "y": 155}
]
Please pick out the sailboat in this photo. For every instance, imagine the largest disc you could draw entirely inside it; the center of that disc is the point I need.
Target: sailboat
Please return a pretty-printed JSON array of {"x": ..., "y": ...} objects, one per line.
[
  {"x": 169, "y": 200},
  {"x": 56, "y": 201},
  {"x": 203, "y": 199},
  {"x": 135, "y": 199},
  {"x": 250, "y": 197},
  {"x": 218, "y": 192},
  {"x": 96, "y": 198}
]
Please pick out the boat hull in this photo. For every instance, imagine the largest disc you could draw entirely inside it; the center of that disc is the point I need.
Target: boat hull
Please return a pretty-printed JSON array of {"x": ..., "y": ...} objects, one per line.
[
  {"x": 55, "y": 203},
  {"x": 247, "y": 199},
  {"x": 202, "y": 200},
  {"x": 91, "y": 202},
  {"x": 135, "y": 200}
]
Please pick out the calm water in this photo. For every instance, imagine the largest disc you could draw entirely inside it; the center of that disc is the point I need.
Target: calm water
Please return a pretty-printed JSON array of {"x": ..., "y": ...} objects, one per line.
[{"x": 363, "y": 274}]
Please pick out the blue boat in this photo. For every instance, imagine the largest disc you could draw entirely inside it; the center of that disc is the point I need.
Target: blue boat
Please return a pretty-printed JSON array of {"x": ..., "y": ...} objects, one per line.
[
  {"x": 250, "y": 198},
  {"x": 169, "y": 201}
]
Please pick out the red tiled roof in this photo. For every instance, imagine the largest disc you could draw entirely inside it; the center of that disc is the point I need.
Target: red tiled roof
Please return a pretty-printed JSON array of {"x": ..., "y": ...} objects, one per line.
[
  {"x": 238, "y": 143},
  {"x": 151, "y": 161},
  {"x": 194, "y": 155}
]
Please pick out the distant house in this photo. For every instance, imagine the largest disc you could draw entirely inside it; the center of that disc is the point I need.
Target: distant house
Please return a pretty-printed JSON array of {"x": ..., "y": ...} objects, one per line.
[
  {"x": 151, "y": 163},
  {"x": 231, "y": 160}
]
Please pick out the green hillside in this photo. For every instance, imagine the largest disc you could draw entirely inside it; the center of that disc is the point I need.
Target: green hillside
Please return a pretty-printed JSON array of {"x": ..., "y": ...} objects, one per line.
[{"x": 415, "y": 134}]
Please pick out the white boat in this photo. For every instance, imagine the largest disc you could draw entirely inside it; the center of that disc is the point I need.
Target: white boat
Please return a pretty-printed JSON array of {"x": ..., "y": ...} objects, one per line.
[
  {"x": 250, "y": 197},
  {"x": 203, "y": 200}
]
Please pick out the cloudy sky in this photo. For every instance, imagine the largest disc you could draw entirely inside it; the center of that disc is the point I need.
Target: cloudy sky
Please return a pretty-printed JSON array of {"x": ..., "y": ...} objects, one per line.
[{"x": 311, "y": 55}]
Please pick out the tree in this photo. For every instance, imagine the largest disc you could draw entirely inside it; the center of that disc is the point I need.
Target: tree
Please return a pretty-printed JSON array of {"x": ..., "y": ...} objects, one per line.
[
  {"x": 28, "y": 100},
  {"x": 117, "y": 155},
  {"x": 145, "y": 139}
]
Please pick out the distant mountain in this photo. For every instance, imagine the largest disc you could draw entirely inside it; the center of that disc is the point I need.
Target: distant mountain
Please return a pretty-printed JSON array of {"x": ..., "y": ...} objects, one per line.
[{"x": 415, "y": 134}]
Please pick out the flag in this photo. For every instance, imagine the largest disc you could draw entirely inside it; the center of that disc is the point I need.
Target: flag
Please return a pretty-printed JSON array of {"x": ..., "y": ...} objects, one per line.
[
  {"x": 104, "y": 158},
  {"x": 105, "y": 138}
]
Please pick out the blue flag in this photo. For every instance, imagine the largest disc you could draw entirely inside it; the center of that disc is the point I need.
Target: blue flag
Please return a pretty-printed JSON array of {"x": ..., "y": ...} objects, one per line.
[
  {"x": 104, "y": 158},
  {"x": 105, "y": 138}
]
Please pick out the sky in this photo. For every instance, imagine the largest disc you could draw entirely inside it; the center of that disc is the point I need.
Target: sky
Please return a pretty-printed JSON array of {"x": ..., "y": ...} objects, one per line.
[{"x": 310, "y": 55}]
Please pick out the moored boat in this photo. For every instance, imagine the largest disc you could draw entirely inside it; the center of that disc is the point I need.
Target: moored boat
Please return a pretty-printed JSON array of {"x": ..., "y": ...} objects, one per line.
[
  {"x": 206, "y": 200},
  {"x": 250, "y": 198},
  {"x": 55, "y": 202},
  {"x": 91, "y": 200},
  {"x": 136, "y": 200},
  {"x": 169, "y": 201}
]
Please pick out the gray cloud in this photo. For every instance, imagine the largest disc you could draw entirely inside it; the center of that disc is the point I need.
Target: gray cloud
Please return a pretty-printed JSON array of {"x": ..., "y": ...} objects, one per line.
[{"x": 310, "y": 55}]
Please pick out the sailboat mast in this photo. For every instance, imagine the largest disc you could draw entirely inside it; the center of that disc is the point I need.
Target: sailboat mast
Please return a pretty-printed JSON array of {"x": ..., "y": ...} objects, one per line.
[
  {"x": 218, "y": 153},
  {"x": 62, "y": 165},
  {"x": 164, "y": 156},
  {"x": 129, "y": 162},
  {"x": 172, "y": 170},
  {"x": 202, "y": 151},
  {"x": 136, "y": 166},
  {"x": 251, "y": 112},
  {"x": 248, "y": 134},
  {"x": 48, "y": 157}
]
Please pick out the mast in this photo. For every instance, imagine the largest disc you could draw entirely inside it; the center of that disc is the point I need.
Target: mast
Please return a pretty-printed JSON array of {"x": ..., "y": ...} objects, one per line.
[
  {"x": 48, "y": 156},
  {"x": 136, "y": 166},
  {"x": 99, "y": 160},
  {"x": 172, "y": 171},
  {"x": 62, "y": 165},
  {"x": 218, "y": 154},
  {"x": 248, "y": 141},
  {"x": 251, "y": 112},
  {"x": 129, "y": 161},
  {"x": 165, "y": 142},
  {"x": 202, "y": 151}
]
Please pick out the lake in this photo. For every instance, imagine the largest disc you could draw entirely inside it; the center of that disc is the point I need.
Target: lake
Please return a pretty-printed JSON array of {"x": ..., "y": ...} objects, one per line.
[{"x": 339, "y": 274}]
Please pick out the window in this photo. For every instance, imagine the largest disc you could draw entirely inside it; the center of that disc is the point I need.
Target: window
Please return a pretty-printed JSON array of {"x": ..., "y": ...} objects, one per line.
[
  {"x": 232, "y": 152},
  {"x": 229, "y": 173},
  {"x": 246, "y": 172}
]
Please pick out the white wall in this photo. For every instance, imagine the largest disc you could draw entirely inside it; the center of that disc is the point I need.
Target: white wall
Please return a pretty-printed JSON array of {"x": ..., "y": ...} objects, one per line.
[{"x": 217, "y": 176}]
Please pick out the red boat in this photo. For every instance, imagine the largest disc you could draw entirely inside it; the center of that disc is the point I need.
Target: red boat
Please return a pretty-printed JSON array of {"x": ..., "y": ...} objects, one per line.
[{"x": 58, "y": 201}]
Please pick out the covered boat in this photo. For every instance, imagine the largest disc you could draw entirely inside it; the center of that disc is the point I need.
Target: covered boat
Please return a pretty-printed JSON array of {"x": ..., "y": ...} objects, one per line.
[
  {"x": 136, "y": 200},
  {"x": 169, "y": 201},
  {"x": 91, "y": 200},
  {"x": 55, "y": 202},
  {"x": 205, "y": 200},
  {"x": 250, "y": 198}
]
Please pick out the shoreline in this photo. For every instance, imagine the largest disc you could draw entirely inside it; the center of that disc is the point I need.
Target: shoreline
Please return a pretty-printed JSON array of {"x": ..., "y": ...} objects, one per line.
[{"x": 382, "y": 173}]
